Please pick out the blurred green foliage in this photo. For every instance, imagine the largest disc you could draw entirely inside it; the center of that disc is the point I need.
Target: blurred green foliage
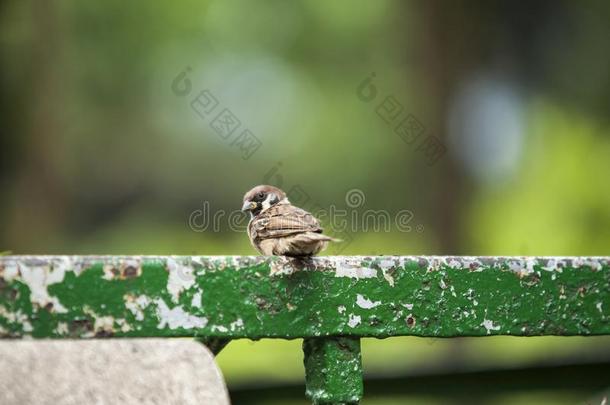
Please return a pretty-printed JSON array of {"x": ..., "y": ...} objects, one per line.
[{"x": 98, "y": 155}]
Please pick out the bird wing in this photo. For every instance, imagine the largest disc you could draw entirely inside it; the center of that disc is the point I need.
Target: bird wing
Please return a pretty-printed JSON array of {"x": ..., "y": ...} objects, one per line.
[{"x": 283, "y": 220}]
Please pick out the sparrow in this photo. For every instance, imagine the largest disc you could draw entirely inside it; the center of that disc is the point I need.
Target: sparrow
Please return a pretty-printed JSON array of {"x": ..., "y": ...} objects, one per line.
[{"x": 278, "y": 228}]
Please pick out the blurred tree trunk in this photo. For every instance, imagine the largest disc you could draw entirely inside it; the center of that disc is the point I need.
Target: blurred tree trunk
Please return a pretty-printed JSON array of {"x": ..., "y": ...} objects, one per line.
[
  {"x": 448, "y": 51},
  {"x": 38, "y": 204},
  {"x": 445, "y": 53}
]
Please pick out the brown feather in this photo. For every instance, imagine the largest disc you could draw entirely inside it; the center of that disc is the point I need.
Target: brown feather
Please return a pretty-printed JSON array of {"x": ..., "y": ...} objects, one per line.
[
  {"x": 283, "y": 220},
  {"x": 283, "y": 229}
]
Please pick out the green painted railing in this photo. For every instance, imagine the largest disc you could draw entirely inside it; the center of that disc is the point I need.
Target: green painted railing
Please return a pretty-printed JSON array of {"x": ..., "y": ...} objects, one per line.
[{"x": 331, "y": 302}]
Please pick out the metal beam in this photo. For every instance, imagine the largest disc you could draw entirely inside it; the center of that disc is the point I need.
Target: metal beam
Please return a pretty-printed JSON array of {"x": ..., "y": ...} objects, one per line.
[{"x": 273, "y": 297}]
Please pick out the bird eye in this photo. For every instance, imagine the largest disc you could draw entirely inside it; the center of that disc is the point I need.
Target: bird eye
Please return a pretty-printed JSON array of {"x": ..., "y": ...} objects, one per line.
[{"x": 260, "y": 195}]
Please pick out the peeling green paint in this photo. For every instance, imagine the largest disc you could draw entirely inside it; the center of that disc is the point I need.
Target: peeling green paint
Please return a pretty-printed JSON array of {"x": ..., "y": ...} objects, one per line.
[
  {"x": 257, "y": 297},
  {"x": 333, "y": 370}
]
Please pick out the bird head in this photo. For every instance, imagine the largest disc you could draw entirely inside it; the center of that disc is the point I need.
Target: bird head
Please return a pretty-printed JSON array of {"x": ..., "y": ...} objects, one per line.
[{"x": 261, "y": 198}]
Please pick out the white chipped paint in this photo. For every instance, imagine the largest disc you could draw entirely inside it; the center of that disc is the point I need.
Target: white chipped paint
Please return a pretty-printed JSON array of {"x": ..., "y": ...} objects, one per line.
[
  {"x": 62, "y": 328},
  {"x": 101, "y": 323},
  {"x": 408, "y": 306},
  {"x": 578, "y": 262},
  {"x": 105, "y": 323},
  {"x": 354, "y": 320},
  {"x": 235, "y": 325},
  {"x": 388, "y": 278},
  {"x": 38, "y": 279},
  {"x": 143, "y": 301},
  {"x": 589, "y": 262},
  {"x": 489, "y": 325},
  {"x": 385, "y": 265},
  {"x": 219, "y": 328},
  {"x": 522, "y": 267},
  {"x": 341, "y": 309},
  {"x": 469, "y": 295},
  {"x": 366, "y": 303},
  {"x": 125, "y": 327},
  {"x": 108, "y": 274},
  {"x": 348, "y": 270},
  {"x": 196, "y": 301},
  {"x": 552, "y": 264},
  {"x": 177, "y": 317},
  {"x": 10, "y": 271},
  {"x": 283, "y": 266},
  {"x": 16, "y": 317},
  {"x": 65, "y": 264},
  {"x": 434, "y": 263},
  {"x": 472, "y": 263},
  {"x": 27, "y": 326},
  {"x": 8, "y": 315},
  {"x": 181, "y": 278},
  {"x": 398, "y": 315},
  {"x": 599, "y": 307},
  {"x": 454, "y": 264},
  {"x": 136, "y": 305}
]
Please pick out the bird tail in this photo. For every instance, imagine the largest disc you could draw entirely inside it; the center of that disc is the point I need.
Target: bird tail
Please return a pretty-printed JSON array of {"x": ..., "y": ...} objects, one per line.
[{"x": 325, "y": 238}]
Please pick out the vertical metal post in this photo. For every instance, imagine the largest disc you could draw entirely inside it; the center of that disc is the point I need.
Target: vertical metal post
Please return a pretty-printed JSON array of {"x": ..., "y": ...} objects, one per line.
[{"x": 333, "y": 370}]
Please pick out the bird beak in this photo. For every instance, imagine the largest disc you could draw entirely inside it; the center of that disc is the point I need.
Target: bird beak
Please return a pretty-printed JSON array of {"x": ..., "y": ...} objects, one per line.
[{"x": 248, "y": 206}]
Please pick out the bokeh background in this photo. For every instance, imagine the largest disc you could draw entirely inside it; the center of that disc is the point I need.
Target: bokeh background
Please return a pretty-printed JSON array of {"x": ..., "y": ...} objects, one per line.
[{"x": 102, "y": 152}]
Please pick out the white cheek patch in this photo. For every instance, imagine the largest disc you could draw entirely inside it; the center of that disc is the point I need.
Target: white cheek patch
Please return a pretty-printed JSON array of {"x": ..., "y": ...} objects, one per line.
[{"x": 267, "y": 203}]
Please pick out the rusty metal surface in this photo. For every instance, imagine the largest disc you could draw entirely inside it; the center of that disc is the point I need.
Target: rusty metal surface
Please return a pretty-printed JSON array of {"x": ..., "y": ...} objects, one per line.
[{"x": 256, "y": 297}]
